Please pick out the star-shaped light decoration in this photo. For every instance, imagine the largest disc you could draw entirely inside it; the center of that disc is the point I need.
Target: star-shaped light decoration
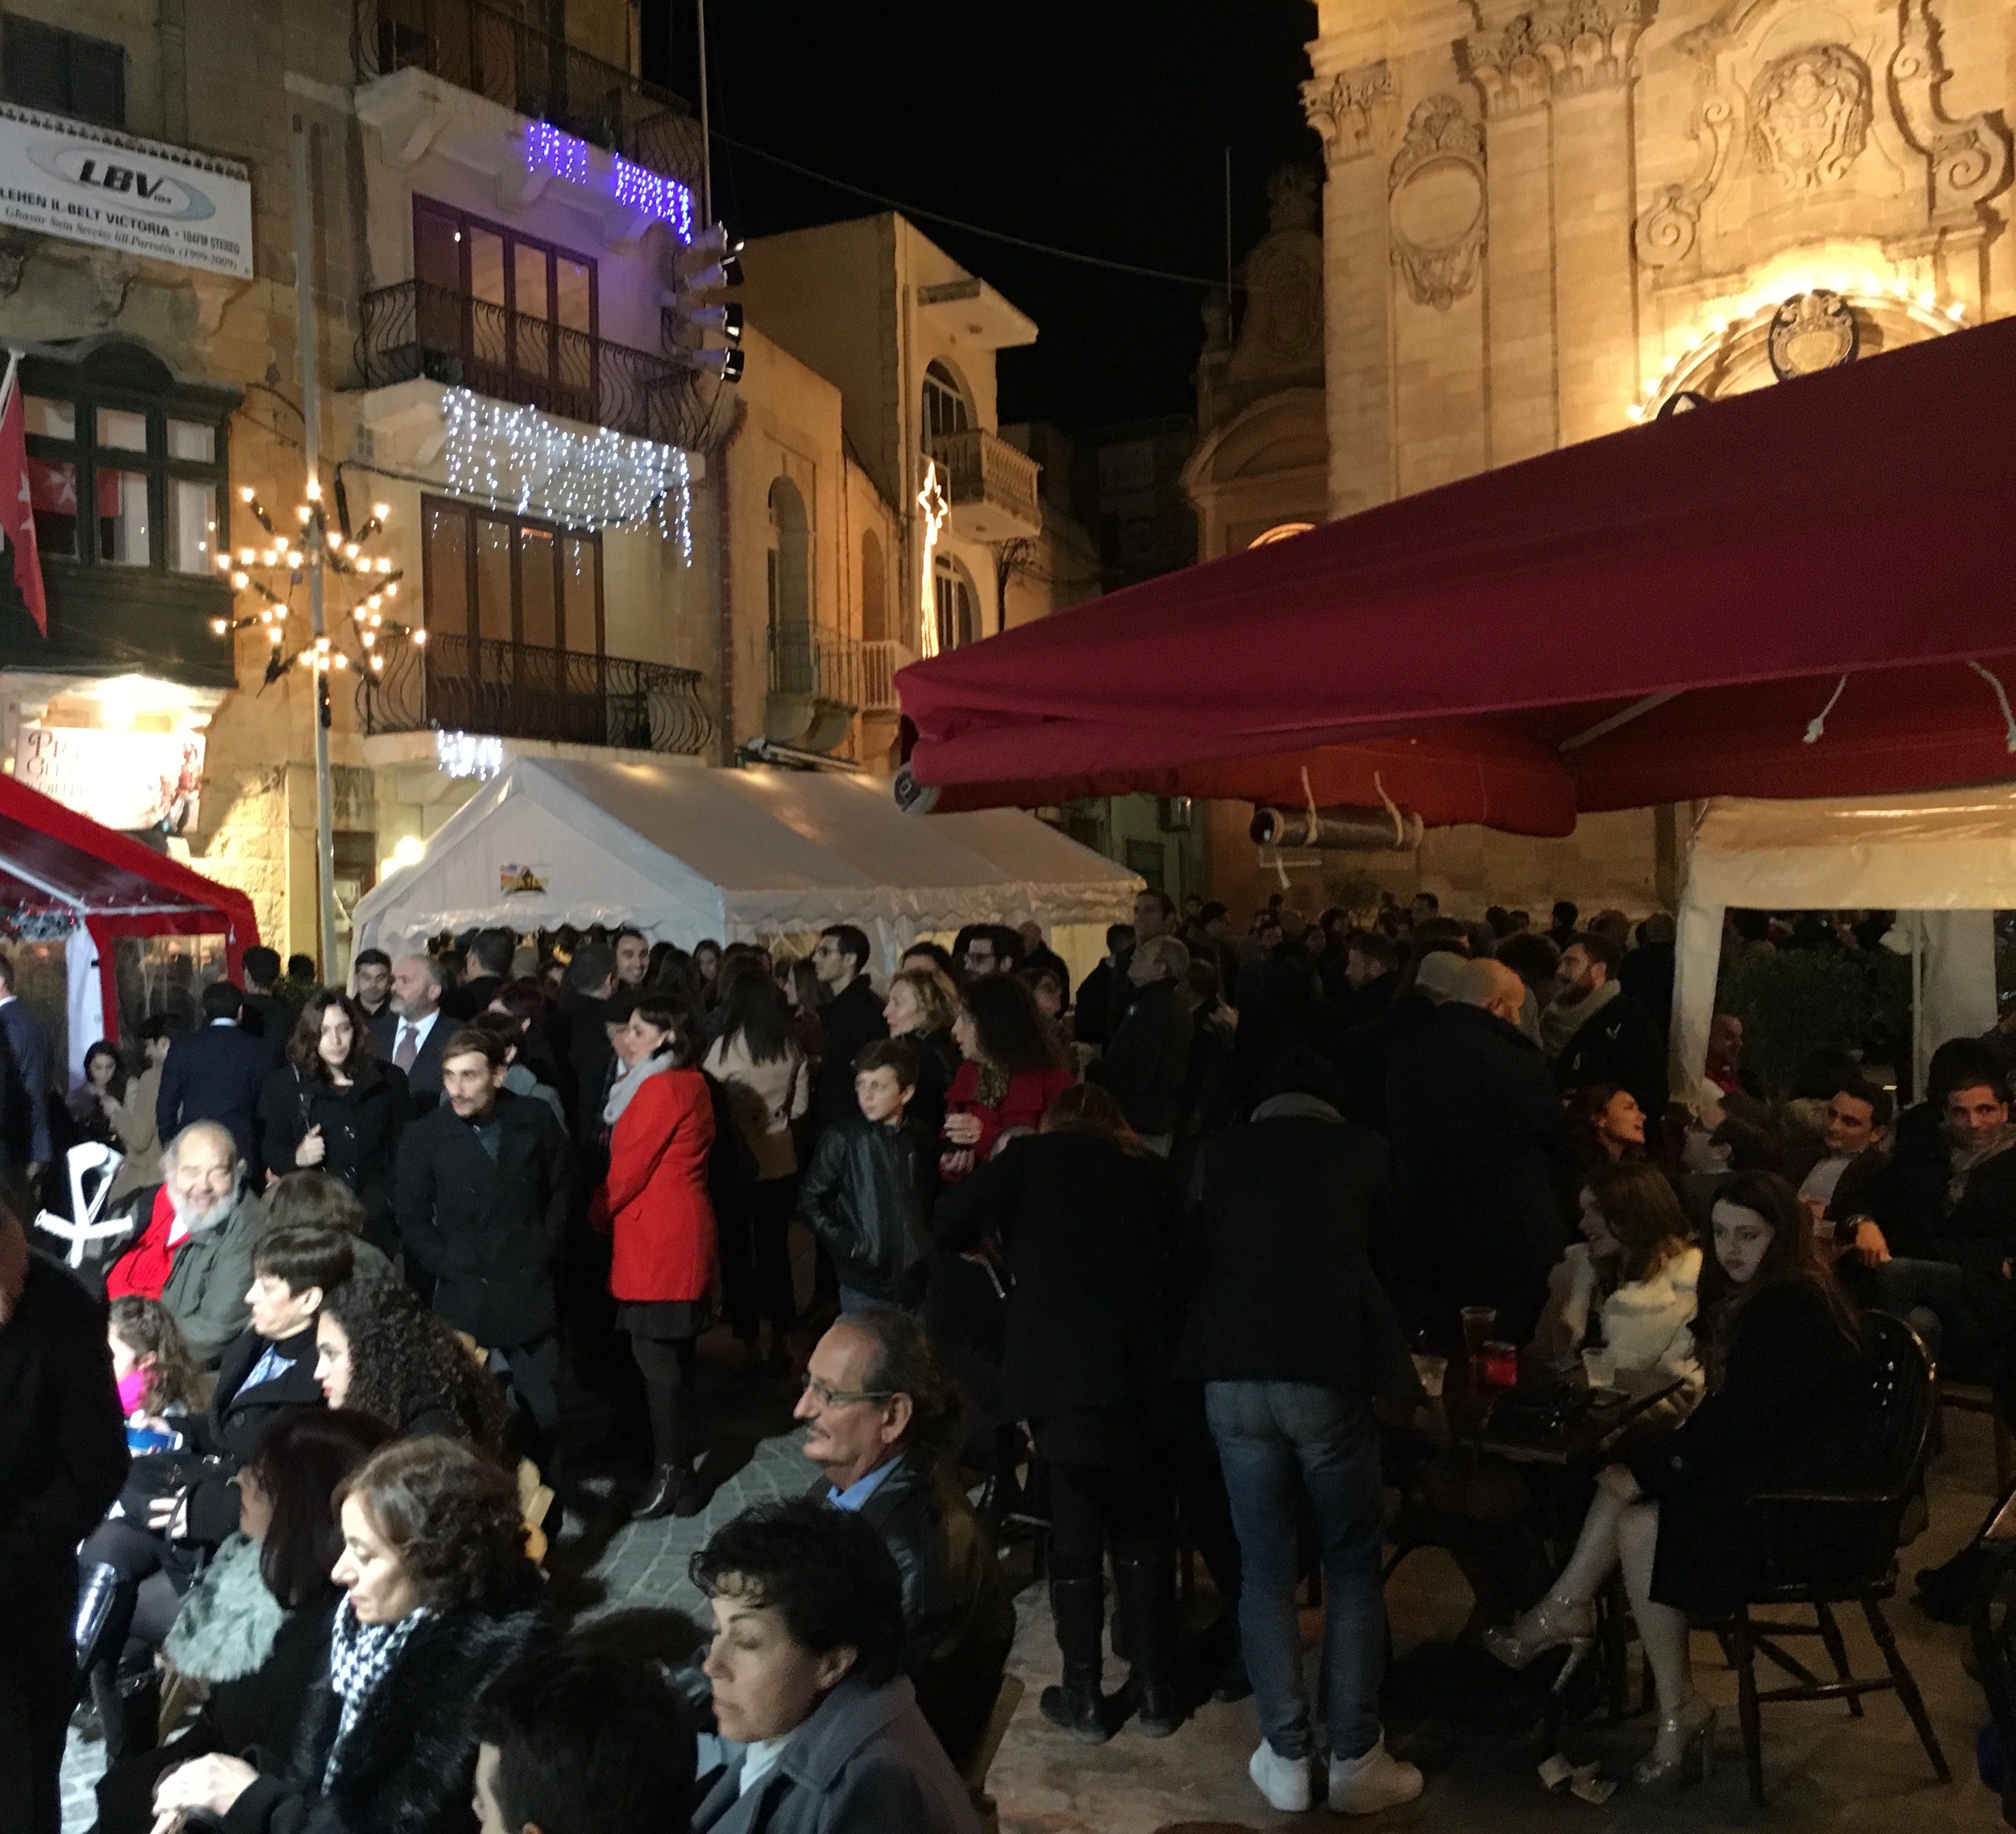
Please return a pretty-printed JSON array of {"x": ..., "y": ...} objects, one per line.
[{"x": 936, "y": 506}]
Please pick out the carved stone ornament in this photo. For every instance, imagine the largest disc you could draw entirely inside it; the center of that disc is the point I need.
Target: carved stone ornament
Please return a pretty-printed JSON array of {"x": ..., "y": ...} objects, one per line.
[
  {"x": 1666, "y": 233},
  {"x": 1562, "y": 48},
  {"x": 1436, "y": 203},
  {"x": 1969, "y": 157},
  {"x": 1350, "y": 111},
  {"x": 1812, "y": 332},
  {"x": 1809, "y": 116}
]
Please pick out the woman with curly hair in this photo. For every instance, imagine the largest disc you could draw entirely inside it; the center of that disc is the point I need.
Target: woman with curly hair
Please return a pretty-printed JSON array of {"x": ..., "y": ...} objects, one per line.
[
  {"x": 333, "y": 1104},
  {"x": 1013, "y": 1070},
  {"x": 439, "y": 1597},
  {"x": 380, "y": 1351}
]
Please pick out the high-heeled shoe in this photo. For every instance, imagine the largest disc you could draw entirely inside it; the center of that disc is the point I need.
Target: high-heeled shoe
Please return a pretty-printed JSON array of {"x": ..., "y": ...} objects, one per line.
[
  {"x": 1683, "y": 1752},
  {"x": 1549, "y": 1624}
]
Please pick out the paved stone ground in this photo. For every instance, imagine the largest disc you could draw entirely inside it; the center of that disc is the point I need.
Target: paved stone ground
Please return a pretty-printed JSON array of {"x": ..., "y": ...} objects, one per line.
[{"x": 1825, "y": 1770}]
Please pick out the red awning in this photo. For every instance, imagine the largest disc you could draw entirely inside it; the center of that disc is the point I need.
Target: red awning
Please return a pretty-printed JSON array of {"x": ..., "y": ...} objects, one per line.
[
  {"x": 1664, "y": 613},
  {"x": 51, "y": 858}
]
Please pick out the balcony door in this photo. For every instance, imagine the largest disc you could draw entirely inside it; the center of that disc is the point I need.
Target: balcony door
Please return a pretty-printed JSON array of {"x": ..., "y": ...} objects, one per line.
[{"x": 516, "y": 316}]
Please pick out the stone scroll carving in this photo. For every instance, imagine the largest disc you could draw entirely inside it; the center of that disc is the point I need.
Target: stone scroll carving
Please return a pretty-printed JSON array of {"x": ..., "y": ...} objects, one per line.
[
  {"x": 1969, "y": 158},
  {"x": 1809, "y": 116},
  {"x": 1559, "y": 49},
  {"x": 1436, "y": 201}
]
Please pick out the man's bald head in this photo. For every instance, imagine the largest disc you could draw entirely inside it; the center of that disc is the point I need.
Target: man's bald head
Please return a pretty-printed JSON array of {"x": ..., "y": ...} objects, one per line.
[{"x": 1492, "y": 985}]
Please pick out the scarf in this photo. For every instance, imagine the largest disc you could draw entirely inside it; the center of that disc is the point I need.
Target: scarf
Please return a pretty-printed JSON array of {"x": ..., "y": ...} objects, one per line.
[
  {"x": 1559, "y": 1021},
  {"x": 1966, "y": 1159},
  {"x": 629, "y": 1080},
  {"x": 360, "y": 1656}
]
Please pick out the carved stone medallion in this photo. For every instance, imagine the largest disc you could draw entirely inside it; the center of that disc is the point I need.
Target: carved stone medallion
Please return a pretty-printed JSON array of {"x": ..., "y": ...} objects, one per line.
[
  {"x": 1809, "y": 116},
  {"x": 1436, "y": 197},
  {"x": 1812, "y": 332}
]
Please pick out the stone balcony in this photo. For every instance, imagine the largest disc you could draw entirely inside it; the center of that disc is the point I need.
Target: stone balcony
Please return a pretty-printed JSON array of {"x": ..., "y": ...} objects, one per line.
[{"x": 991, "y": 486}]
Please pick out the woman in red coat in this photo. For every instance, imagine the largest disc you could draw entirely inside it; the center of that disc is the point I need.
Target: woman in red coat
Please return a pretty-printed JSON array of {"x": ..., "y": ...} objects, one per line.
[
  {"x": 1013, "y": 1070},
  {"x": 654, "y": 1204}
]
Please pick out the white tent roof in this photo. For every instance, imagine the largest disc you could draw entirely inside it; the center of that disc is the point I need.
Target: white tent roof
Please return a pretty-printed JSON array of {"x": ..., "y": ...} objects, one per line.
[
  {"x": 684, "y": 853},
  {"x": 1937, "y": 854}
]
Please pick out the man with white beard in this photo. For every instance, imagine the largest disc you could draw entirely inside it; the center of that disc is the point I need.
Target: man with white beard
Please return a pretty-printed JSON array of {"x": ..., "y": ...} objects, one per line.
[{"x": 195, "y": 1253}]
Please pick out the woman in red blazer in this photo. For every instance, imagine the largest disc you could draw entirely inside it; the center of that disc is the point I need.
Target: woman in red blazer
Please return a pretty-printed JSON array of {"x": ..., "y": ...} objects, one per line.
[
  {"x": 1012, "y": 1072},
  {"x": 653, "y": 1205}
]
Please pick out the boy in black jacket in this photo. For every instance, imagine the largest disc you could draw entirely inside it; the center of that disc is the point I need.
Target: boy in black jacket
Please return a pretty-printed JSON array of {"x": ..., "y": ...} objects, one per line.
[{"x": 864, "y": 1195}]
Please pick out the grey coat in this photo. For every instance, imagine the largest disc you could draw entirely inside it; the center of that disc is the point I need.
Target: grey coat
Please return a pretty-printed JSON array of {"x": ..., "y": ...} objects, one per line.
[
  {"x": 205, "y": 1286},
  {"x": 864, "y": 1760}
]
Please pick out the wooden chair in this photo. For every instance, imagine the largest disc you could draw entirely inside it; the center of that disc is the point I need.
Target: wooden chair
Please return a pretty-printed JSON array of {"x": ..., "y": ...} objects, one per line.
[{"x": 1863, "y": 1526}]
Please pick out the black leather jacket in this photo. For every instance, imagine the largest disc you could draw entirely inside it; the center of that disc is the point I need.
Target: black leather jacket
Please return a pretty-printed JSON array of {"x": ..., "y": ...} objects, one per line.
[
  {"x": 863, "y": 1195},
  {"x": 959, "y": 1620}
]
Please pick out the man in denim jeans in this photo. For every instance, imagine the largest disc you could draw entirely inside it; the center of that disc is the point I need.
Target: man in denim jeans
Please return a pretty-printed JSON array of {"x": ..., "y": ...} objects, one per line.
[{"x": 1289, "y": 1331}]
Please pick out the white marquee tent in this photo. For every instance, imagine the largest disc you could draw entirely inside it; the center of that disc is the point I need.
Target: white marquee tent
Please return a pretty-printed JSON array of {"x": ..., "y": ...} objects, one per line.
[
  {"x": 685, "y": 852},
  {"x": 1944, "y": 861}
]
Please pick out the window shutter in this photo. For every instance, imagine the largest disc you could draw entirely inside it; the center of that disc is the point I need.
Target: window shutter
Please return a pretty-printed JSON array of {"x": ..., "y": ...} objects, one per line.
[
  {"x": 34, "y": 65},
  {"x": 98, "y": 80}
]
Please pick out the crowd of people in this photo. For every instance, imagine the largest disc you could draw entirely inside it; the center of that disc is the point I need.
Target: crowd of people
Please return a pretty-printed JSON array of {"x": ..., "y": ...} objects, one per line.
[{"x": 1174, "y": 1243}]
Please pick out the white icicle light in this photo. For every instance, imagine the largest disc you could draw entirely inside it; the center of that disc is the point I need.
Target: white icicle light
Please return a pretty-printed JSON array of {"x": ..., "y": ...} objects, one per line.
[{"x": 519, "y": 458}]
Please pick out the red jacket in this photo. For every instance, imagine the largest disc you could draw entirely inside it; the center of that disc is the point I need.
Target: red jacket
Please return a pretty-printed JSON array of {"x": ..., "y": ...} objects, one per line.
[
  {"x": 1029, "y": 1092},
  {"x": 653, "y": 1201},
  {"x": 142, "y": 1270}
]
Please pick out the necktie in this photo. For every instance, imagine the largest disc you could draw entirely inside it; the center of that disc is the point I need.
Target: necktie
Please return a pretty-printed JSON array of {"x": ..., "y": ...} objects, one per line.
[{"x": 408, "y": 1045}]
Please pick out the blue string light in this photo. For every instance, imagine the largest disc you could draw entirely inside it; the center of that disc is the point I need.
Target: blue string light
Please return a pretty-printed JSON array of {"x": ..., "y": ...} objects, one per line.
[{"x": 648, "y": 192}]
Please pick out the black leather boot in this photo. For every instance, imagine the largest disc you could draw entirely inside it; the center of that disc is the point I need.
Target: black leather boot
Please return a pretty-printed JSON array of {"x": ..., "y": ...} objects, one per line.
[
  {"x": 1147, "y": 1594},
  {"x": 675, "y": 1491},
  {"x": 1078, "y": 1610},
  {"x": 129, "y": 1707}
]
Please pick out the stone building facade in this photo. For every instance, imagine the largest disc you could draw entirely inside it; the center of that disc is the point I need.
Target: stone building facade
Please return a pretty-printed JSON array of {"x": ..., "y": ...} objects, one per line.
[{"x": 1545, "y": 222}]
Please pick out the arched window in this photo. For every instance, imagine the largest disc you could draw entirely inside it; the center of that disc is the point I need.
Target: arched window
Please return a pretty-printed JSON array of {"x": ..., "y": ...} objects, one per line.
[
  {"x": 946, "y": 410},
  {"x": 874, "y": 589},
  {"x": 1280, "y": 532},
  {"x": 792, "y": 662},
  {"x": 957, "y": 604}
]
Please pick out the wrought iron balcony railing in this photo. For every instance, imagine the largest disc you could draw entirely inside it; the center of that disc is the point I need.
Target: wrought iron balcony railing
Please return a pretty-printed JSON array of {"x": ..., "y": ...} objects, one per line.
[
  {"x": 813, "y": 660},
  {"x": 518, "y": 691},
  {"x": 414, "y": 330},
  {"x": 483, "y": 49}
]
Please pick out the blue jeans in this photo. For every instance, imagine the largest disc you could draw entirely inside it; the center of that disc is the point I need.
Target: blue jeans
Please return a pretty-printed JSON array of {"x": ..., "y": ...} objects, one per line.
[{"x": 1268, "y": 1434}]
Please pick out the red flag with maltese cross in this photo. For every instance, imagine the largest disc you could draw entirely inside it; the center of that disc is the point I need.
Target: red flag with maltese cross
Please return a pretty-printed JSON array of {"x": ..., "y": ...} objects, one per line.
[{"x": 17, "y": 510}]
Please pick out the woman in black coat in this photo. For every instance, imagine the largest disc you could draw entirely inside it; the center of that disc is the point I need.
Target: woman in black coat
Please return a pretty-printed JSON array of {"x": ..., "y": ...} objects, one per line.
[
  {"x": 439, "y": 1597},
  {"x": 1790, "y": 1406},
  {"x": 334, "y": 1104},
  {"x": 261, "y": 1656},
  {"x": 1081, "y": 1212}
]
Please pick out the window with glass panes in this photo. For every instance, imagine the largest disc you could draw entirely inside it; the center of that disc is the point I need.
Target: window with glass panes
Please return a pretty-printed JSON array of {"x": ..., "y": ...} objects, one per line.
[
  {"x": 118, "y": 481},
  {"x": 509, "y": 579}
]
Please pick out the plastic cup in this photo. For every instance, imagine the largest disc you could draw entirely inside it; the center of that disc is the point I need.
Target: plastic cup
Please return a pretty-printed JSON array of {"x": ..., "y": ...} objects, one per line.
[
  {"x": 1600, "y": 1367},
  {"x": 1479, "y": 1323},
  {"x": 1501, "y": 1365},
  {"x": 1432, "y": 1370}
]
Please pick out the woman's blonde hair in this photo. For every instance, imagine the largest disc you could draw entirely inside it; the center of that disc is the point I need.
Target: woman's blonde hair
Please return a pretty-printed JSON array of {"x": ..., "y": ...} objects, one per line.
[{"x": 936, "y": 998}]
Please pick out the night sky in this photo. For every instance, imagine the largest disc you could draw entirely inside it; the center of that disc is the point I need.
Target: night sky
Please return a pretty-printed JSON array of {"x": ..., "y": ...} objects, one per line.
[{"x": 1100, "y": 127}]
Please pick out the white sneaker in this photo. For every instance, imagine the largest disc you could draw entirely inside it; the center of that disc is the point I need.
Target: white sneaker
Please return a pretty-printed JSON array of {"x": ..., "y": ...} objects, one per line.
[
  {"x": 1364, "y": 1785},
  {"x": 1287, "y": 1782}
]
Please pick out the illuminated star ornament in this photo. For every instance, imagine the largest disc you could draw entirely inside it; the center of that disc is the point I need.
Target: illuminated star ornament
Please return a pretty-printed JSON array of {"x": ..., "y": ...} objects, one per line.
[
  {"x": 371, "y": 581},
  {"x": 936, "y": 506}
]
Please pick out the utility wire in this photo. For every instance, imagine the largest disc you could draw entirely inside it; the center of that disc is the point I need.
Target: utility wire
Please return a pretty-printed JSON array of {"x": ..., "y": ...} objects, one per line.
[{"x": 950, "y": 222}]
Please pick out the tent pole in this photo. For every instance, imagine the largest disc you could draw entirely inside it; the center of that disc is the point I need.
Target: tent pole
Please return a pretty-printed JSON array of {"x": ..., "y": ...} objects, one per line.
[{"x": 305, "y": 309}]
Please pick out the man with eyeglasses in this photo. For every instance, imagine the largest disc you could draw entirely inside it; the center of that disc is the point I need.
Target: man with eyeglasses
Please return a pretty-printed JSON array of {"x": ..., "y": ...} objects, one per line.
[{"x": 883, "y": 1427}]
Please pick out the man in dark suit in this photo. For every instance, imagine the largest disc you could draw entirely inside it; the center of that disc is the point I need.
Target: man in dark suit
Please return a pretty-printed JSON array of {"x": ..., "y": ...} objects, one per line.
[
  {"x": 264, "y": 1015},
  {"x": 1095, "y": 992},
  {"x": 413, "y": 1029},
  {"x": 28, "y": 1042},
  {"x": 485, "y": 1185},
  {"x": 578, "y": 1034},
  {"x": 1619, "y": 1041},
  {"x": 850, "y": 1019},
  {"x": 486, "y": 967},
  {"x": 63, "y": 1458},
  {"x": 216, "y": 1073}
]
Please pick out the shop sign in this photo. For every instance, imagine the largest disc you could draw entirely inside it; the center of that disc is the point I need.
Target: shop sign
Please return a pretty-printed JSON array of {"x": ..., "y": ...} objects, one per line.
[
  {"x": 121, "y": 779},
  {"x": 87, "y": 184}
]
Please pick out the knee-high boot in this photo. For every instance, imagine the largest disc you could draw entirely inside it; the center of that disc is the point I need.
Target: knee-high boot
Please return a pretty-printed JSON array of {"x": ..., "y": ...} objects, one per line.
[
  {"x": 1148, "y": 1590},
  {"x": 1077, "y": 1611}
]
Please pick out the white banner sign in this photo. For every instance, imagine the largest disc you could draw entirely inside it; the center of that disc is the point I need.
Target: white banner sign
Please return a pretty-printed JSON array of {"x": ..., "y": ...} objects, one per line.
[
  {"x": 128, "y": 780},
  {"x": 88, "y": 184}
]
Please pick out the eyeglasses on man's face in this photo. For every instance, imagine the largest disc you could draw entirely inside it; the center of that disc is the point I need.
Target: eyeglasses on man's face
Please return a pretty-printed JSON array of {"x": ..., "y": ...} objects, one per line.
[{"x": 825, "y": 1394}]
